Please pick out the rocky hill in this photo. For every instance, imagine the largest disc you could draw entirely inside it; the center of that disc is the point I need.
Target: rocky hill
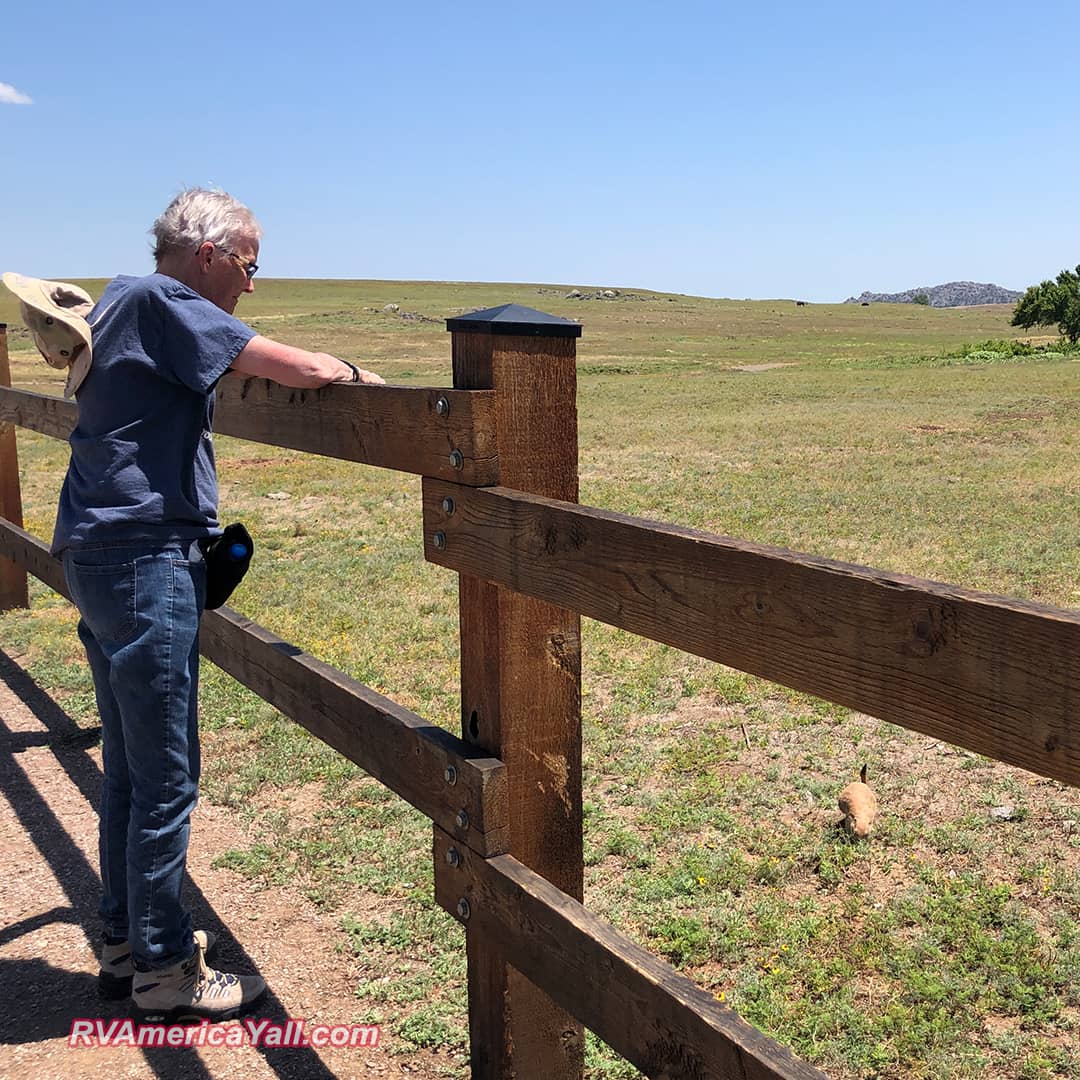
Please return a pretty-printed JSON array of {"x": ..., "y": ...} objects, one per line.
[{"x": 954, "y": 294}]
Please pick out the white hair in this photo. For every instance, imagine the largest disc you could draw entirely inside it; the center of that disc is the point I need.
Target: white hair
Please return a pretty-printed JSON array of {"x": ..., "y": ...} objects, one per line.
[{"x": 196, "y": 216}]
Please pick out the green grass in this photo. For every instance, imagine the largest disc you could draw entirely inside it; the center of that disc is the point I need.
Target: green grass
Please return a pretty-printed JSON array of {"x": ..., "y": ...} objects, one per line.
[{"x": 918, "y": 440}]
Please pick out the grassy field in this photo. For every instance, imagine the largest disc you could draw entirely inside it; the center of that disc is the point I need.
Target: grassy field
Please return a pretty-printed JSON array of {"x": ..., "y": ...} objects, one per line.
[{"x": 948, "y": 945}]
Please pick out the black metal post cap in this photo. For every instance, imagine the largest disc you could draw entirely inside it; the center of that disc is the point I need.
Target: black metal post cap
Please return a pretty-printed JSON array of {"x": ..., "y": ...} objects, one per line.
[{"x": 514, "y": 319}]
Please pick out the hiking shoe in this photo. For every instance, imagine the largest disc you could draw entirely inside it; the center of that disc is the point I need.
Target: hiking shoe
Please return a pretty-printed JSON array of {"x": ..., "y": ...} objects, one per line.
[
  {"x": 191, "y": 991},
  {"x": 114, "y": 978}
]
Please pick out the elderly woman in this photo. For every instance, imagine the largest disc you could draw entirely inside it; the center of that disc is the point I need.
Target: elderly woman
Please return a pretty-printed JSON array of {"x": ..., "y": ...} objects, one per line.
[{"x": 140, "y": 493}]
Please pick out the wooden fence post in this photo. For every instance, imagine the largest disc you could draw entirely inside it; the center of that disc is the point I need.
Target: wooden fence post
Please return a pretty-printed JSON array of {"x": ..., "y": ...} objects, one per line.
[
  {"x": 13, "y": 584},
  {"x": 521, "y": 677}
]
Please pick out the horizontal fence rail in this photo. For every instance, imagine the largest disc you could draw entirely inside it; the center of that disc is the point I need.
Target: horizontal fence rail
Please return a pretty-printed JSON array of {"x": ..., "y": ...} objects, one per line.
[
  {"x": 31, "y": 554},
  {"x": 430, "y": 432},
  {"x": 38, "y": 412},
  {"x": 639, "y": 1005},
  {"x": 427, "y": 431},
  {"x": 438, "y": 773},
  {"x": 997, "y": 676}
]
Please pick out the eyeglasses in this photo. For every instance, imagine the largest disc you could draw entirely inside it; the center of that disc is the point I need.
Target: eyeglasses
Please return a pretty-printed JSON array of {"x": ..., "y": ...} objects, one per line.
[{"x": 249, "y": 268}]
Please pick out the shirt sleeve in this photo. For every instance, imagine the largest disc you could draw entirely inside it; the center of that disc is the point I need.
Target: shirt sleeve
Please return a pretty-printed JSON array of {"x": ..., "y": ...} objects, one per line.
[{"x": 199, "y": 341}]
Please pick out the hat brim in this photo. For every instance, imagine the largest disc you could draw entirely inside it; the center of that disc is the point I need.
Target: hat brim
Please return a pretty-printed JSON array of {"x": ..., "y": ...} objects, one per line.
[{"x": 39, "y": 293}]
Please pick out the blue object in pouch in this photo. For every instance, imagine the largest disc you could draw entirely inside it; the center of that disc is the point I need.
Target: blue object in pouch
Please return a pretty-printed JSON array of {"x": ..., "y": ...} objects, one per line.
[{"x": 227, "y": 559}]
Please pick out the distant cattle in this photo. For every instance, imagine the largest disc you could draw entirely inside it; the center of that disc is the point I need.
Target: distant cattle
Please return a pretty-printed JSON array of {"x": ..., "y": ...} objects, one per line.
[
  {"x": 866, "y": 303},
  {"x": 800, "y": 303}
]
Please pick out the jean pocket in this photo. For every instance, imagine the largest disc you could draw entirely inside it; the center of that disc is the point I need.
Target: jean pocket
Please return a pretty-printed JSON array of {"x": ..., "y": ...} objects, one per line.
[
  {"x": 194, "y": 567},
  {"x": 105, "y": 597}
]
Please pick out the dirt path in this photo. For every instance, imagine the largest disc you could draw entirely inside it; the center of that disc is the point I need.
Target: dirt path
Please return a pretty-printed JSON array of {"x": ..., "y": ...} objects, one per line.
[{"x": 50, "y": 775}]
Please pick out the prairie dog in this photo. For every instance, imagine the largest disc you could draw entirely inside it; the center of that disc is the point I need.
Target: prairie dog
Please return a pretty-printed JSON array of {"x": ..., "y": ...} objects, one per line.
[{"x": 859, "y": 805}]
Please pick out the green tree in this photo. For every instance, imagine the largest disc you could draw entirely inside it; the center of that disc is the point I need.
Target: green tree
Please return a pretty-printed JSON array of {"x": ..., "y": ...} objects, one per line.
[
  {"x": 921, "y": 298},
  {"x": 1052, "y": 302}
]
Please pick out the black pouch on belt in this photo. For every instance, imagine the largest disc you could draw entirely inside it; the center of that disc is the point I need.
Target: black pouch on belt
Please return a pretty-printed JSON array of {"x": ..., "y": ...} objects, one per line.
[{"x": 227, "y": 559}]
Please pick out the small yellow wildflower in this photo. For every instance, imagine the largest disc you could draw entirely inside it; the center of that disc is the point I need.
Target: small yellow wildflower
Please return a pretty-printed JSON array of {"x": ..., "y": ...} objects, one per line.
[{"x": 720, "y": 996}]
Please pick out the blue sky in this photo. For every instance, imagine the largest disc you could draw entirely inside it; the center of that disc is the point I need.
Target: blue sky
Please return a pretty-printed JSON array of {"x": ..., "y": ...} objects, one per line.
[{"x": 769, "y": 150}]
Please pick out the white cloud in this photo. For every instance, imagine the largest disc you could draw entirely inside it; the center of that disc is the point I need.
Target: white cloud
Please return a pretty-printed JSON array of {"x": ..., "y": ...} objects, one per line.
[{"x": 10, "y": 96}]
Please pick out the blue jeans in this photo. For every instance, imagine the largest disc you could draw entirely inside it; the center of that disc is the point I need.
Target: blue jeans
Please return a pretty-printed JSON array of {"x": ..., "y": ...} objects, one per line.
[{"x": 140, "y": 606}]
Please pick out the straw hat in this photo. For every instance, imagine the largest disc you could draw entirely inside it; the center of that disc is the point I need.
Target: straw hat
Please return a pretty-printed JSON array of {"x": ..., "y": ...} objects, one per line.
[{"x": 55, "y": 313}]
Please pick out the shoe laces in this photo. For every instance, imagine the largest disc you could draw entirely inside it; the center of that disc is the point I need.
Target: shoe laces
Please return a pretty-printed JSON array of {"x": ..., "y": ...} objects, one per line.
[{"x": 212, "y": 980}]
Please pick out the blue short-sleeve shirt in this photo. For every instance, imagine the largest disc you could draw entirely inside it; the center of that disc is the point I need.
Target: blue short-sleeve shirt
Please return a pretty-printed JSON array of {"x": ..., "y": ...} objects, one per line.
[{"x": 142, "y": 460}]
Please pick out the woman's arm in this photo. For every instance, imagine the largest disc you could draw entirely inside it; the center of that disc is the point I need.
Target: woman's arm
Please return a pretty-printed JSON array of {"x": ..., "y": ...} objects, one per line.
[{"x": 290, "y": 366}]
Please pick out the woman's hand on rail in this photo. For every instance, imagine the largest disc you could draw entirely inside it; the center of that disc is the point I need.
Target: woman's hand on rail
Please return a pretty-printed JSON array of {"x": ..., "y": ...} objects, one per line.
[{"x": 359, "y": 375}]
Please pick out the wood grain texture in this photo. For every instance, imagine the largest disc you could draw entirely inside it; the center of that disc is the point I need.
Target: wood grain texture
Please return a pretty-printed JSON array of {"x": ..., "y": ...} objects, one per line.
[
  {"x": 521, "y": 698},
  {"x": 521, "y": 657},
  {"x": 14, "y": 591},
  {"x": 642, "y": 1007},
  {"x": 32, "y": 554},
  {"x": 399, "y": 748},
  {"x": 397, "y": 427},
  {"x": 47, "y": 415},
  {"x": 998, "y": 676}
]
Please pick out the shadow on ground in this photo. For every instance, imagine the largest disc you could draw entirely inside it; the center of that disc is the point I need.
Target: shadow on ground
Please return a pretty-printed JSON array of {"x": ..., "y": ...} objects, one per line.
[{"x": 38, "y": 1000}]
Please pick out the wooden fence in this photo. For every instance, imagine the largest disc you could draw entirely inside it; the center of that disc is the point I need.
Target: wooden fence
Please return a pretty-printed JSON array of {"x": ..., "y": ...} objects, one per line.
[{"x": 498, "y": 454}]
